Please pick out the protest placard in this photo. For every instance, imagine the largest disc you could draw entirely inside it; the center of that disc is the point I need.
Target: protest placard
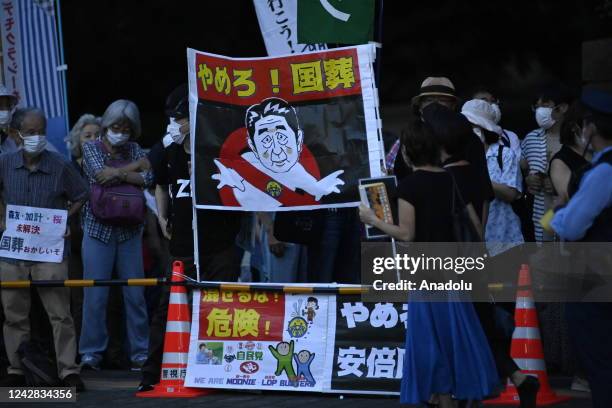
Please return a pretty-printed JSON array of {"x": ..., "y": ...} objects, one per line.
[{"x": 34, "y": 234}]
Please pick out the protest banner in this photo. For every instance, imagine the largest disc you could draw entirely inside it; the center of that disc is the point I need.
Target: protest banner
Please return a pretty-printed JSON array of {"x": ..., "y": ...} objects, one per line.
[
  {"x": 295, "y": 342},
  {"x": 278, "y": 25},
  {"x": 257, "y": 340},
  {"x": 368, "y": 346},
  {"x": 33, "y": 234},
  {"x": 283, "y": 133}
]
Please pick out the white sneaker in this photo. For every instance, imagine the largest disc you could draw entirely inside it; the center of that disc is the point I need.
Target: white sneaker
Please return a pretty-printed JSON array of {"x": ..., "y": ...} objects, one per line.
[{"x": 580, "y": 384}]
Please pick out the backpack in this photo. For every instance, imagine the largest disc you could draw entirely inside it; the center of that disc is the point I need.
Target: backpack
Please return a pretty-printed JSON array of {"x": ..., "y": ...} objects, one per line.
[
  {"x": 38, "y": 368},
  {"x": 520, "y": 206},
  {"x": 121, "y": 204}
]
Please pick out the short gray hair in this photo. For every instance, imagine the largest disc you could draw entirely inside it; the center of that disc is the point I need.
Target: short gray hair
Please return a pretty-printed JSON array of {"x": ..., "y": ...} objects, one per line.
[
  {"x": 120, "y": 110},
  {"x": 73, "y": 139},
  {"x": 20, "y": 115}
]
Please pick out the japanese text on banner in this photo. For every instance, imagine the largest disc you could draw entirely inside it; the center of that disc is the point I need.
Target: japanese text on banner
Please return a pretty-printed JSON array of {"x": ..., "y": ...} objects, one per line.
[
  {"x": 34, "y": 234},
  {"x": 309, "y": 76}
]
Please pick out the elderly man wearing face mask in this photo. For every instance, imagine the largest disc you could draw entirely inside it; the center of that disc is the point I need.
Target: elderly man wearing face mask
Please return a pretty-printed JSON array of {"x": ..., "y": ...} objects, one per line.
[{"x": 35, "y": 177}]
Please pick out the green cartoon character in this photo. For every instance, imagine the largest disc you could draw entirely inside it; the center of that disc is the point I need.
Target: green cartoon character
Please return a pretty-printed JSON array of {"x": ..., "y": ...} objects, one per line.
[{"x": 284, "y": 354}]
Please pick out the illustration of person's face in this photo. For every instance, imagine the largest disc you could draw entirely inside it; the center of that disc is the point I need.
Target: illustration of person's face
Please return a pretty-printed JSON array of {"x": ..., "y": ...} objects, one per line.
[
  {"x": 275, "y": 143},
  {"x": 311, "y": 305},
  {"x": 283, "y": 348},
  {"x": 303, "y": 356}
]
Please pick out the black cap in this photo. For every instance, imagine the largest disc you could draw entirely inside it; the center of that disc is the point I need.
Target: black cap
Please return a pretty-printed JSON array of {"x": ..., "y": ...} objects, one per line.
[{"x": 177, "y": 103}]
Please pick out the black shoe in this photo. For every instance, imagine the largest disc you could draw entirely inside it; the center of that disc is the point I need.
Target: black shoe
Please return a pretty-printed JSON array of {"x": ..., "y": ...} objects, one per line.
[
  {"x": 74, "y": 380},
  {"x": 143, "y": 387},
  {"x": 528, "y": 392},
  {"x": 13, "y": 380}
]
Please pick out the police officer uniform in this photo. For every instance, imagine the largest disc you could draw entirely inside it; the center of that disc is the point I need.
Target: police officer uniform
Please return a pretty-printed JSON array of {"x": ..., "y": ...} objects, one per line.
[{"x": 587, "y": 217}]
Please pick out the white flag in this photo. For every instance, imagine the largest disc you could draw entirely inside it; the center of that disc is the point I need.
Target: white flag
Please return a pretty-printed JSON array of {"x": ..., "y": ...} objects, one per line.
[{"x": 278, "y": 24}]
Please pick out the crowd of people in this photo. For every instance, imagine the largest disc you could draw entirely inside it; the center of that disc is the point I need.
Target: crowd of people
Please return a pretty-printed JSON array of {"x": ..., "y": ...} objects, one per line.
[{"x": 449, "y": 152}]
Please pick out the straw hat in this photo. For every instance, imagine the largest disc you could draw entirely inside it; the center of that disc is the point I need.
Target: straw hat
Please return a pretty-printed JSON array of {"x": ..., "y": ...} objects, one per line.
[{"x": 436, "y": 86}]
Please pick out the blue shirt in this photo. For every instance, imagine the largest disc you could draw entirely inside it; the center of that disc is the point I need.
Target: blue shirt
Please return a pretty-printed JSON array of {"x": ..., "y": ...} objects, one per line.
[
  {"x": 503, "y": 229},
  {"x": 593, "y": 196}
]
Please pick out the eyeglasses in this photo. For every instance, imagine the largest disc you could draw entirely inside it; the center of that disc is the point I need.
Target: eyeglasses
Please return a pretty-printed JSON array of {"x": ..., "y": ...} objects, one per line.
[{"x": 27, "y": 133}]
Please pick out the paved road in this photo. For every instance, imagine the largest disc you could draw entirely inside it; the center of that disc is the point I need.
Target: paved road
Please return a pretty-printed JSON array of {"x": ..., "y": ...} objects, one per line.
[{"x": 115, "y": 389}]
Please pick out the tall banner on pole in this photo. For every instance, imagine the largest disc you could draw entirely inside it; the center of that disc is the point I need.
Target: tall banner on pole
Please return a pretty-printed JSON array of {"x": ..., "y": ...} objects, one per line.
[
  {"x": 283, "y": 133},
  {"x": 31, "y": 62}
]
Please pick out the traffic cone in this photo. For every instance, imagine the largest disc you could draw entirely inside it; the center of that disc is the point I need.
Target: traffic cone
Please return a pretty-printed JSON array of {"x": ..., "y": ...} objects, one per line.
[
  {"x": 176, "y": 345},
  {"x": 526, "y": 349}
]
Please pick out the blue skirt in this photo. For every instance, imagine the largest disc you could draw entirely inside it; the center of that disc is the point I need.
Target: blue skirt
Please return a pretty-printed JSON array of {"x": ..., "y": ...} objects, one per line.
[{"x": 446, "y": 353}]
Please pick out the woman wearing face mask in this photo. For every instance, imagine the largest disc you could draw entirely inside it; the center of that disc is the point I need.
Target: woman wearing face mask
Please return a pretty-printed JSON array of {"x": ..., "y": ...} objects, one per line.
[
  {"x": 538, "y": 147},
  {"x": 573, "y": 154},
  {"x": 86, "y": 129},
  {"x": 107, "y": 246}
]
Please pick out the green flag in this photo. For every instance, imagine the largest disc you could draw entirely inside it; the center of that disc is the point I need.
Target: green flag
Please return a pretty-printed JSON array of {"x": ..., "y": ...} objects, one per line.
[{"x": 335, "y": 21}]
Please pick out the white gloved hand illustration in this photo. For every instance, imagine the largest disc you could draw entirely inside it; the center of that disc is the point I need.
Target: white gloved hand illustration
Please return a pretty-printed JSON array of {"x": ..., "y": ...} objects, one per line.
[
  {"x": 228, "y": 177},
  {"x": 329, "y": 184}
]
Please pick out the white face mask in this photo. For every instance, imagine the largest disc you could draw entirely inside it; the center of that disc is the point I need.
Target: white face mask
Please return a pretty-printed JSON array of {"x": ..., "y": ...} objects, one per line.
[
  {"x": 544, "y": 117},
  {"x": 116, "y": 139},
  {"x": 174, "y": 130},
  {"x": 5, "y": 117},
  {"x": 496, "y": 112},
  {"x": 35, "y": 144}
]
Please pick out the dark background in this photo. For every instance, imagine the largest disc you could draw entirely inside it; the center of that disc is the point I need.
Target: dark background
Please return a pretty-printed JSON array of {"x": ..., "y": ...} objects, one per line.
[{"x": 137, "y": 49}]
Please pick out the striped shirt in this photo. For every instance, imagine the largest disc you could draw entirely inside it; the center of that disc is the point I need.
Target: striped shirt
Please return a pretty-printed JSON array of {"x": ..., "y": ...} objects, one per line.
[
  {"x": 94, "y": 161},
  {"x": 52, "y": 184},
  {"x": 534, "y": 150}
]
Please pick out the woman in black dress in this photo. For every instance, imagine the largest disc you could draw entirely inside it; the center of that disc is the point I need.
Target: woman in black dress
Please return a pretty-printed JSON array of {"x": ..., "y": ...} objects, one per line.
[
  {"x": 571, "y": 157},
  {"x": 447, "y": 355}
]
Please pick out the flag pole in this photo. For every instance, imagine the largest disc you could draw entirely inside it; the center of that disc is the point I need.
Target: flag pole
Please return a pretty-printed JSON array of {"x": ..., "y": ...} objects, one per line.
[
  {"x": 62, "y": 67},
  {"x": 379, "y": 41}
]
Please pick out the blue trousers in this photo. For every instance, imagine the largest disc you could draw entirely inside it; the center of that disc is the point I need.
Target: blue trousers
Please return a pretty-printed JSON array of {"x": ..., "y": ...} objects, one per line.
[
  {"x": 99, "y": 261},
  {"x": 590, "y": 328}
]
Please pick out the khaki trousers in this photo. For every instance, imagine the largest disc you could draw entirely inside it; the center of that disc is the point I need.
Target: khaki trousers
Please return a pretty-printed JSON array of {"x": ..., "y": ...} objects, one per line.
[{"x": 16, "y": 306}]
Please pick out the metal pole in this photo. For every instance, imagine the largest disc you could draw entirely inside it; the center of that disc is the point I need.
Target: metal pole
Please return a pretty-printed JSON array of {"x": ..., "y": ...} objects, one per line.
[{"x": 62, "y": 67}]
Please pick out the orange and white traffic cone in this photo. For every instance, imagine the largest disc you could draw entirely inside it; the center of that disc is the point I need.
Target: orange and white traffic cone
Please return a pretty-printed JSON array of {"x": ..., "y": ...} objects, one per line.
[
  {"x": 526, "y": 349},
  {"x": 176, "y": 345}
]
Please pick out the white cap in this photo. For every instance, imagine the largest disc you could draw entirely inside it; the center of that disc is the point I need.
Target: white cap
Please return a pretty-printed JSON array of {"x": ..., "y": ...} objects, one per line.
[
  {"x": 482, "y": 114},
  {"x": 5, "y": 92}
]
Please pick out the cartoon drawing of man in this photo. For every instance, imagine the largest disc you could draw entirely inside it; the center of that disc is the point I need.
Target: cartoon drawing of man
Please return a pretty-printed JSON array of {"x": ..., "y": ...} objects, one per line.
[
  {"x": 303, "y": 359},
  {"x": 312, "y": 304},
  {"x": 284, "y": 354},
  {"x": 275, "y": 174}
]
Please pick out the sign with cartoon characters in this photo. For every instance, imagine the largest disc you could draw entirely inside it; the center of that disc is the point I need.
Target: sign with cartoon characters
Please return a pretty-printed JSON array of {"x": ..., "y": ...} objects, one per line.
[
  {"x": 258, "y": 340},
  {"x": 283, "y": 133},
  {"x": 310, "y": 342}
]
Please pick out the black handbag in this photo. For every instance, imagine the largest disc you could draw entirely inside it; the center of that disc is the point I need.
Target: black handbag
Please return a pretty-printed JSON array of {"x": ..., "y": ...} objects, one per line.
[
  {"x": 464, "y": 229},
  {"x": 299, "y": 227}
]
